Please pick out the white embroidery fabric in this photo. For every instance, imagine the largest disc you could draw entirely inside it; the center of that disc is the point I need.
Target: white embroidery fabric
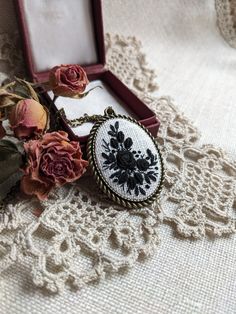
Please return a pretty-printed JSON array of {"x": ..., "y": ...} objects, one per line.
[{"x": 81, "y": 235}]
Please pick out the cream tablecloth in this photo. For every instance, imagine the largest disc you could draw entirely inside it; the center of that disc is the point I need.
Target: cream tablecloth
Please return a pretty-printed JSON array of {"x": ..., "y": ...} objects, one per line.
[{"x": 196, "y": 67}]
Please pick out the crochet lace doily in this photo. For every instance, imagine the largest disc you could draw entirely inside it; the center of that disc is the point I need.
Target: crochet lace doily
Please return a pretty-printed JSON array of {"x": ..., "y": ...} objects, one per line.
[
  {"x": 80, "y": 235},
  {"x": 226, "y": 19}
]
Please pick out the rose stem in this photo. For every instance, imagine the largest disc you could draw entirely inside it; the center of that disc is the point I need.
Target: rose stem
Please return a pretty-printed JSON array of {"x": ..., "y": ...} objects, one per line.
[{"x": 53, "y": 100}]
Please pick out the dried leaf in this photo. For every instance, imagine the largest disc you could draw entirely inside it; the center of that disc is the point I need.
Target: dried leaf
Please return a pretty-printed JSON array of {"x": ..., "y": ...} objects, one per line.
[
  {"x": 29, "y": 88},
  {"x": 10, "y": 159},
  {"x": 7, "y": 100}
]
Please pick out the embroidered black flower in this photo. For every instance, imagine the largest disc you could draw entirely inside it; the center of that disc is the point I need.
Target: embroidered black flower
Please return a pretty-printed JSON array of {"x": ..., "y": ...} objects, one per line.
[
  {"x": 132, "y": 170},
  {"x": 125, "y": 160}
]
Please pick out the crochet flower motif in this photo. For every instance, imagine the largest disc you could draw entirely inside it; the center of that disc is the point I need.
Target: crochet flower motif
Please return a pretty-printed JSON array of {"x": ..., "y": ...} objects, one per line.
[{"x": 133, "y": 170}]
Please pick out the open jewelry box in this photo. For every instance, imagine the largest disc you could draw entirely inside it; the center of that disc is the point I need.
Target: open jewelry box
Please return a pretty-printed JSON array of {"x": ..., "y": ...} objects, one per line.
[{"x": 59, "y": 32}]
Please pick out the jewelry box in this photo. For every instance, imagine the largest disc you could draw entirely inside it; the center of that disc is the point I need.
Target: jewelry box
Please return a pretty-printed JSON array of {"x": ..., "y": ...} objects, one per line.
[{"x": 59, "y": 32}]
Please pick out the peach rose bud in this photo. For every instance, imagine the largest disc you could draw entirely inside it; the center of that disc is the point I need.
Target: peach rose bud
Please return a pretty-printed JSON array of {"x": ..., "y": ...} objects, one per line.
[{"x": 28, "y": 119}]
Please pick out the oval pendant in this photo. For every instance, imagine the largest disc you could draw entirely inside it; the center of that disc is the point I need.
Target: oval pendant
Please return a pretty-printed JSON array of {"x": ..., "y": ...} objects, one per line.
[{"x": 125, "y": 161}]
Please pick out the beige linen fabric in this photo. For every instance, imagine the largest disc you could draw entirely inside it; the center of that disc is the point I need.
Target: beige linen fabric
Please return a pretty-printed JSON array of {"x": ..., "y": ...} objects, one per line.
[
  {"x": 193, "y": 62},
  {"x": 197, "y": 68}
]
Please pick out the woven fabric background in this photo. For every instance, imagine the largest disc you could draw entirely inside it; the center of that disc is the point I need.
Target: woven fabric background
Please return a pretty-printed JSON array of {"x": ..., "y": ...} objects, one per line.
[
  {"x": 194, "y": 64},
  {"x": 197, "y": 68}
]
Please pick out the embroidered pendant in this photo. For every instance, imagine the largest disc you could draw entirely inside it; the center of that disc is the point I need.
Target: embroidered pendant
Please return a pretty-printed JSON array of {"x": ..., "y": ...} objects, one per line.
[{"x": 125, "y": 160}]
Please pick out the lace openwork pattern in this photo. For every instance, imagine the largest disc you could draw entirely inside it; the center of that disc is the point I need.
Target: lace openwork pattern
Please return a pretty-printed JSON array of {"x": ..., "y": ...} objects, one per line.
[
  {"x": 80, "y": 235},
  {"x": 226, "y": 19}
]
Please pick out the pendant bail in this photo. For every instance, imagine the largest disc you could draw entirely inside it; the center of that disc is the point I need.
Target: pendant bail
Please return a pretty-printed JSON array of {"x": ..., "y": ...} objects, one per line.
[{"x": 109, "y": 111}]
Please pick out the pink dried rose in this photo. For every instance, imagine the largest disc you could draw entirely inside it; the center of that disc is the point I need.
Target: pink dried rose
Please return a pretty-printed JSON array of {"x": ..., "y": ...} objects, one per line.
[
  {"x": 68, "y": 80},
  {"x": 52, "y": 161},
  {"x": 28, "y": 119}
]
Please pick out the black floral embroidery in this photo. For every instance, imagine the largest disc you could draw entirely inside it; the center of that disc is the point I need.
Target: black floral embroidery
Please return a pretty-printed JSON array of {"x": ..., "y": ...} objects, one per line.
[{"x": 132, "y": 170}]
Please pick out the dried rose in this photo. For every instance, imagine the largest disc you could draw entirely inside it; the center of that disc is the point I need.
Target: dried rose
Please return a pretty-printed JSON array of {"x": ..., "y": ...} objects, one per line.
[
  {"x": 52, "y": 161},
  {"x": 2, "y": 130},
  {"x": 28, "y": 119},
  {"x": 68, "y": 80}
]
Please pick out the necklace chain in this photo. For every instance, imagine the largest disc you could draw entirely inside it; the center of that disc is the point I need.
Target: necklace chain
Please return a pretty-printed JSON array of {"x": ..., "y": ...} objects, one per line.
[{"x": 85, "y": 118}]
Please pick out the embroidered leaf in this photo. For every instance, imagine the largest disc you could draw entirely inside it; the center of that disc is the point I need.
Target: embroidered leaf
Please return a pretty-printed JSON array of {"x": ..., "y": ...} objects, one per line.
[
  {"x": 128, "y": 143},
  {"x": 131, "y": 183},
  {"x": 112, "y": 166},
  {"x": 114, "y": 143},
  {"x": 105, "y": 156},
  {"x": 112, "y": 128},
  {"x": 109, "y": 158},
  {"x": 106, "y": 146},
  {"x": 152, "y": 157},
  {"x": 123, "y": 178},
  {"x": 150, "y": 154},
  {"x": 136, "y": 191},
  {"x": 112, "y": 133},
  {"x": 147, "y": 178},
  {"x": 115, "y": 174},
  {"x": 139, "y": 178},
  {"x": 117, "y": 125},
  {"x": 152, "y": 177},
  {"x": 142, "y": 191},
  {"x": 120, "y": 137},
  {"x": 106, "y": 162}
]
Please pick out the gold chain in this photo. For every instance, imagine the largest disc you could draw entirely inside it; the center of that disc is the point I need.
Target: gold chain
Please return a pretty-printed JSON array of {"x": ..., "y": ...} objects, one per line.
[{"x": 86, "y": 118}]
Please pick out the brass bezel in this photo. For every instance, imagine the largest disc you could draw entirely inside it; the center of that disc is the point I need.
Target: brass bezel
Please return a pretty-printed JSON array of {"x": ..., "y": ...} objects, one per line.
[{"x": 98, "y": 175}]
